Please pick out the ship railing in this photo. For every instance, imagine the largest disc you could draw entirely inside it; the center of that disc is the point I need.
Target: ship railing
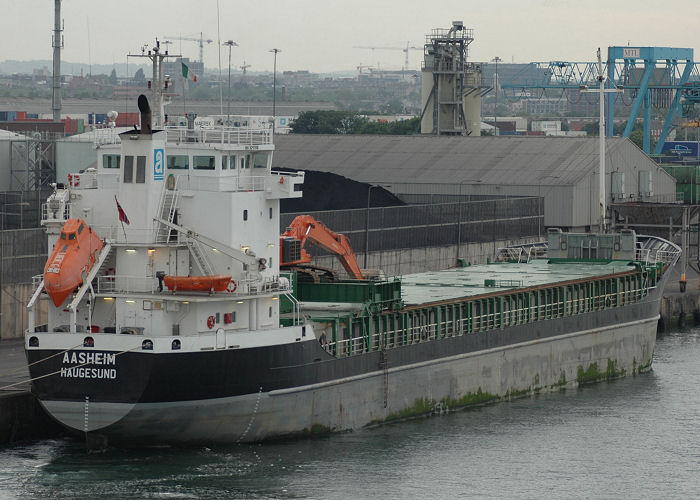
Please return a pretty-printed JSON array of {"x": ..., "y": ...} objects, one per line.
[
  {"x": 55, "y": 211},
  {"x": 521, "y": 253},
  {"x": 653, "y": 249},
  {"x": 514, "y": 310},
  {"x": 115, "y": 233},
  {"x": 220, "y": 135},
  {"x": 224, "y": 183},
  {"x": 127, "y": 284},
  {"x": 652, "y": 256},
  {"x": 91, "y": 179}
]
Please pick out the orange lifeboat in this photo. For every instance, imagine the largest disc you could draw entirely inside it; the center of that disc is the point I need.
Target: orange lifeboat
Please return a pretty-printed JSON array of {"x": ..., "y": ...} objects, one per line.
[
  {"x": 215, "y": 283},
  {"x": 73, "y": 255}
]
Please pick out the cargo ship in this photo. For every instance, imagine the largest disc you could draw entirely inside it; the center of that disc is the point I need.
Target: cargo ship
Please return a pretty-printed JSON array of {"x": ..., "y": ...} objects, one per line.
[{"x": 184, "y": 323}]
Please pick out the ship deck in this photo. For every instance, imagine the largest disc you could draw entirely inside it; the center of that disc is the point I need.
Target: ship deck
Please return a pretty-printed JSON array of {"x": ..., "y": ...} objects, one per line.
[{"x": 449, "y": 284}]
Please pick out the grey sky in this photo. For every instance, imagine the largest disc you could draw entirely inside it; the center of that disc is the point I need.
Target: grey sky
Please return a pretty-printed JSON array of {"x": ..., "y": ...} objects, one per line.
[{"x": 319, "y": 35}]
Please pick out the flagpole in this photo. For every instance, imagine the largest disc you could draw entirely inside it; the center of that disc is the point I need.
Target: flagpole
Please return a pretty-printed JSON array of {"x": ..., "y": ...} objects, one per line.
[{"x": 125, "y": 241}]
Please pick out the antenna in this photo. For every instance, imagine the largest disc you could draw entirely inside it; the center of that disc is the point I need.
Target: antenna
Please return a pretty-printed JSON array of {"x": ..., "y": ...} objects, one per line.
[{"x": 57, "y": 46}]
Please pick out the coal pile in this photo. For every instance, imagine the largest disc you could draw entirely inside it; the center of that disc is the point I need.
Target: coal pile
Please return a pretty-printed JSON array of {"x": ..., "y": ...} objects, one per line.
[{"x": 327, "y": 191}]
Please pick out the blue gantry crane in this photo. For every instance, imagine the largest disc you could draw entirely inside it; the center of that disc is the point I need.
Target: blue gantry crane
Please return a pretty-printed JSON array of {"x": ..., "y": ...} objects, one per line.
[{"x": 639, "y": 69}]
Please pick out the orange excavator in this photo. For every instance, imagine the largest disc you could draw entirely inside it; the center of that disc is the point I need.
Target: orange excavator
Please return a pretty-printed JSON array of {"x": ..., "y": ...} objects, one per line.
[{"x": 305, "y": 228}]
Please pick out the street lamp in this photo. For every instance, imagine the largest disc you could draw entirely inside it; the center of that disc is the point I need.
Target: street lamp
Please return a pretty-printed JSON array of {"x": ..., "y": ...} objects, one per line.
[
  {"x": 274, "y": 88},
  {"x": 495, "y": 86},
  {"x": 229, "y": 43}
]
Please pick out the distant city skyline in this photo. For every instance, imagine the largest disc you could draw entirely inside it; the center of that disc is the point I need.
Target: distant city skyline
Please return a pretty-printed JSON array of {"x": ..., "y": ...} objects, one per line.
[{"x": 322, "y": 36}]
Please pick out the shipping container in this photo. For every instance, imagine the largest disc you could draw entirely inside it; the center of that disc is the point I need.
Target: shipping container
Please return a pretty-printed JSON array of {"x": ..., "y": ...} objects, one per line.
[{"x": 127, "y": 119}]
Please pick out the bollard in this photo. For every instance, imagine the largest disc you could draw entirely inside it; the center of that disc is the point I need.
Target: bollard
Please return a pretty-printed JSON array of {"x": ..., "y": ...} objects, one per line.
[{"x": 682, "y": 283}]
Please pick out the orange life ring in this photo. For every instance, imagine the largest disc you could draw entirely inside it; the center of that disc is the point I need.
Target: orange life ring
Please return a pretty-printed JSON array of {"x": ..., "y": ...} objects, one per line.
[
  {"x": 211, "y": 321},
  {"x": 232, "y": 286}
]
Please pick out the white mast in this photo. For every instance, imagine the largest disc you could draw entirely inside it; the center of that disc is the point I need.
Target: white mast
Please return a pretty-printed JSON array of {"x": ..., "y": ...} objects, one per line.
[
  {"x": 157, "y": 83},
  {"x": 601, "y": 133},
  {"x": 601, "y": 153}
]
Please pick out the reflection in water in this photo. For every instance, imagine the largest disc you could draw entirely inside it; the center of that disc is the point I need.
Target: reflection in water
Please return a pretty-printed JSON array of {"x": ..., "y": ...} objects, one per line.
[{"x": 635, "y": 437}]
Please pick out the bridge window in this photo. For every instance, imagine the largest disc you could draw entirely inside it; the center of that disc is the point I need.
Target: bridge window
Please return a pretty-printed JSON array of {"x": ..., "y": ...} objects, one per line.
[
  {"x": 179, "y": 162},
  {"x": 110, "y": 161},
  {"x": 224, "y": 162},
  {"x": 128, "y": 169},
  {"x": 203, "y": 162},
  {"x": 260, "y": 160},
  {"x": 140, "y": 169}
]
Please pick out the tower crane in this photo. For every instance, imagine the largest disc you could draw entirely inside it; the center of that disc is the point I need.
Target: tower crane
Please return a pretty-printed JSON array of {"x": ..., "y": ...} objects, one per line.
[
  {"x": 201, "y": 40},
  {"x": 402, "y": 49}
]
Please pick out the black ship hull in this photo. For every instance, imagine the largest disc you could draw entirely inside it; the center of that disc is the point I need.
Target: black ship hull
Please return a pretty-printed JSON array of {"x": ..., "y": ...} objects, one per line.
[{"x": 245, "y": 394}]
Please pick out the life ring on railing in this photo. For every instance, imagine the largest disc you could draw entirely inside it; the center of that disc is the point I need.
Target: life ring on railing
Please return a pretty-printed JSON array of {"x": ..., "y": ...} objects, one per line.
[
  {"x": 73, "y": 180},
  {"x": 109, "y": 275},
  {"x": 211, "y": 321},
  {"x": 232, "y": 286}
]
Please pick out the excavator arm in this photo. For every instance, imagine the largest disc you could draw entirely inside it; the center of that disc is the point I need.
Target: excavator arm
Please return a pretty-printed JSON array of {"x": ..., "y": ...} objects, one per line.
[{"x": 305, "y": 228}]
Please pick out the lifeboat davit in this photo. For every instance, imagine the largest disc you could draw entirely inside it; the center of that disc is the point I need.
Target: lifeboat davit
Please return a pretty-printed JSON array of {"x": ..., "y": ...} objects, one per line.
[
  {"x": 213, "y": 283},
  {"x": 74, "y": 253}
]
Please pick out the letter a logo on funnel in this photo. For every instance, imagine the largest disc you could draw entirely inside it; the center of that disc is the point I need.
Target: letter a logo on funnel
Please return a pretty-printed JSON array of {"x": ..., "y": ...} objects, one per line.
[{"x": 158, "y": 164}]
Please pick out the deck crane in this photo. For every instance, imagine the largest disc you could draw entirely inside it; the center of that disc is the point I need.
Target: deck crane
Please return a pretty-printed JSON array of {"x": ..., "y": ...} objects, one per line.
[
  {"x": 305, "y": 228},
  {"x": 201, "y": 42},
  {"x": 402, "y": 49}
]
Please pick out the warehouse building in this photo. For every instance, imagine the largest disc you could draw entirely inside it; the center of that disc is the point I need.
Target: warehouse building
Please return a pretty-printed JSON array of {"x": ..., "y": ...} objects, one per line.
[{"x": 562, "y": 170}]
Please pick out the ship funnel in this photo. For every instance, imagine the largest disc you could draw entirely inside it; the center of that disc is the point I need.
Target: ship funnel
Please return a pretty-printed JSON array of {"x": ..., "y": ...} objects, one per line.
[{"x": 145, "y": 109}]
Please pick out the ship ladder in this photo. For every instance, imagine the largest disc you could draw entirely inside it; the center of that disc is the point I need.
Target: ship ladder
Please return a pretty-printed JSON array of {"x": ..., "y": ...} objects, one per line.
[
  {"x": 200, "y": 257},
  {"x": 167, "y": 207},
  {"x": 87, "y": 283}
]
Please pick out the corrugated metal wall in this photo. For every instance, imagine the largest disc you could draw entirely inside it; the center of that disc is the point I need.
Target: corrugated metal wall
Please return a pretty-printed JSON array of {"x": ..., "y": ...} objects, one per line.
[
  {"x": 434, "y": 225},
  {"x": 23, "y": 253}
]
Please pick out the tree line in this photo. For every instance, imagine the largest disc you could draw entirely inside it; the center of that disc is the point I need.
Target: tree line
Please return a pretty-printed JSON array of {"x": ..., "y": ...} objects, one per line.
[{"x": 350, "y": 122}]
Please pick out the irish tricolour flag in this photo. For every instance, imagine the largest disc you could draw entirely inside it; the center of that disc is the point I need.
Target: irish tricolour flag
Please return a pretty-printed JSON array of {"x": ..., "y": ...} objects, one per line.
[{"x": 187, "y": 73}]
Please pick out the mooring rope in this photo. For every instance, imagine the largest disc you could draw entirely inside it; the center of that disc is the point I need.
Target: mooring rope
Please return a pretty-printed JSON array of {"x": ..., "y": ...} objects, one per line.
[
  {"x": 39, "y": 361},
  {"x": 59, "y": 371}
]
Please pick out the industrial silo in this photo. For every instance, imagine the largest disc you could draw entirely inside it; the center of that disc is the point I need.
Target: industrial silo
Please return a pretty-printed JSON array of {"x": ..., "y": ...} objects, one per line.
[{"x": 451, "y": 87}]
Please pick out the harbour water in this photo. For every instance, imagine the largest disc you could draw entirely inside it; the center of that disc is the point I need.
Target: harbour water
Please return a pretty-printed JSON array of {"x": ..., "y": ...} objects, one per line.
[{"x": 637, "y": 437}]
